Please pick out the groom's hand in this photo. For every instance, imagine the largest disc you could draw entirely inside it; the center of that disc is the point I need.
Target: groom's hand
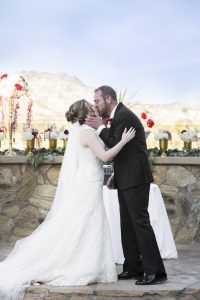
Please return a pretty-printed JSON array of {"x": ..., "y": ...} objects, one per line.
[
  {"x": 94, "y": 122},
  {"x": 110, "y": 183}
]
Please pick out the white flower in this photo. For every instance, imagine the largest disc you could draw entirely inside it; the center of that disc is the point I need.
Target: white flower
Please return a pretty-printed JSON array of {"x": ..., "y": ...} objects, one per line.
[
  {"x": 53, "y": 134},
  {"x": 27, "y": 133},
  {"x": 62, "y": 134},
  {"x": 161, "y": 134},
  {"x": 2, "y": 135},
  {"x": 188, "y": 135},
  {"x": 27, "y": 136}
]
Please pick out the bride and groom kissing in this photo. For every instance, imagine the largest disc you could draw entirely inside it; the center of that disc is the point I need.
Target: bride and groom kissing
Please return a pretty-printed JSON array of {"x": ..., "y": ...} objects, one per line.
[{"x": 72, "y": 246}]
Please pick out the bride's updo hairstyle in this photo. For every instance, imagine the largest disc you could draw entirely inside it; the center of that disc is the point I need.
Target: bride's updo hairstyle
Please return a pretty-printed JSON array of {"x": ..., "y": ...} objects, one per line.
[{"x": 77, "y": 112}]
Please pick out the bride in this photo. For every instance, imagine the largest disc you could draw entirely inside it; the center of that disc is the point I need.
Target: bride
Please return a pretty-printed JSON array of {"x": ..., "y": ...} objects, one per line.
[{"x": 72, "y": 246}]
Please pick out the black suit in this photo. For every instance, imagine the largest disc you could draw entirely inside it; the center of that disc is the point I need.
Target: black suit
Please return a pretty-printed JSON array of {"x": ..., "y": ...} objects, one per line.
[{"x": 132, "y": 177}]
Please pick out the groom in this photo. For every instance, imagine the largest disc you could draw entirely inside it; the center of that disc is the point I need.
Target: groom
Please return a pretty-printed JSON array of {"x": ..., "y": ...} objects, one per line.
[{"x": 132, "y": 177}]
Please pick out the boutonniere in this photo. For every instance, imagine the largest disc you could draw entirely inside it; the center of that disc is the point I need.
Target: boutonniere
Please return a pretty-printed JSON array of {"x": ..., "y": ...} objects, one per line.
[{"x": 108, "y": 122}]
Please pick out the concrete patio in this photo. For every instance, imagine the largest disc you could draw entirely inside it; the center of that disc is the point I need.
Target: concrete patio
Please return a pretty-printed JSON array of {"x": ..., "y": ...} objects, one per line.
[{"x": 183, "y": 282}]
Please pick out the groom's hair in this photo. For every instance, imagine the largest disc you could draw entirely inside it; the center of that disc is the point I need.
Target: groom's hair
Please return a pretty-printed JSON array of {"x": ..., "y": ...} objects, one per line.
[{"x": 107, "y": 91}]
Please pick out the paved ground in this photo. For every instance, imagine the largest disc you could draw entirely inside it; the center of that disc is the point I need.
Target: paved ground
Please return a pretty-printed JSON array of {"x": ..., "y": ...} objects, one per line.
[{"x": 183, "y": 282}]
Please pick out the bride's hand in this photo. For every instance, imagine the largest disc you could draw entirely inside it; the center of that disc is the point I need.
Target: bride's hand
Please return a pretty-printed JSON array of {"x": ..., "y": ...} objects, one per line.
[{"x": 128, "y": 135}]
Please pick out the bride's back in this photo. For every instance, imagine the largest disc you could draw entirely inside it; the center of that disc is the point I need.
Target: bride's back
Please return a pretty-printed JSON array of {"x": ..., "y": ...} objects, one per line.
[{"x": 89, "y": 167}]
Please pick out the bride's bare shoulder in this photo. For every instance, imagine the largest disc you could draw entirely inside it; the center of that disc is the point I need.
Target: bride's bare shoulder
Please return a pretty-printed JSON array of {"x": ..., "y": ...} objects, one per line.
[{"x": 87, "y": 134}]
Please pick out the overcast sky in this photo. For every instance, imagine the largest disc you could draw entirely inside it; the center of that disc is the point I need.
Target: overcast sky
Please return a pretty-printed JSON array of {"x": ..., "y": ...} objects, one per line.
[{"x": 148, "y": 46}]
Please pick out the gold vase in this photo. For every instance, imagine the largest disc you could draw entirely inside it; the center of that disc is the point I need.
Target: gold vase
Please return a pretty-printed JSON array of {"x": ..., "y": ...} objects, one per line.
[
  {"x": 64, "y": 144},
  {"x": 52, "y": 144},
  {"x": 187, "y": 145},
  {"x": 30, "y": 145},
  {"x": 163, "y": 144}
]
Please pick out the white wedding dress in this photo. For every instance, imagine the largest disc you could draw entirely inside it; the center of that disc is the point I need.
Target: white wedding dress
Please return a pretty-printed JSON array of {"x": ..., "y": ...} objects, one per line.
[{"x": 72, "y": 246}]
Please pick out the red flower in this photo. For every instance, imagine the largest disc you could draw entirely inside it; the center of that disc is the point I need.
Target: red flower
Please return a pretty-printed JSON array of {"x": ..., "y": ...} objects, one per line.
[
  {"x": 35, "y": 133},
  {"x": 108, "y": 121},
  {"x": 150, "y": 123},
  {"x": 4, "y": 76},
  {"x": 66, "y": 132},
  {"x": 143, "y": 116},
  {"x": 18, "y": 87}
]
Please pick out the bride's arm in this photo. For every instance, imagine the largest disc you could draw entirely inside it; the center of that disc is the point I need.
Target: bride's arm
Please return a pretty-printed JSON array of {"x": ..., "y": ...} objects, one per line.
[{"x": 89, "y": 139}]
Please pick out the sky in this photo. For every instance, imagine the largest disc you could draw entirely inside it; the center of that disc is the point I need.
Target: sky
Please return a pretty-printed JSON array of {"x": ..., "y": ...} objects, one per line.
[{"x": 149, "y": 47}]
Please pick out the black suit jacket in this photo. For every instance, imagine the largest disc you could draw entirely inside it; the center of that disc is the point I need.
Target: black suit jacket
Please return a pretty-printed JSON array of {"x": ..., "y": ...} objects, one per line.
[{"x": 131, "y": 165}]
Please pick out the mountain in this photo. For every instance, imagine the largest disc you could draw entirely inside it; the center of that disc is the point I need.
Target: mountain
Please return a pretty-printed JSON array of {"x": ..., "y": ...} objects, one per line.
[{"x": 53, "y": 93}]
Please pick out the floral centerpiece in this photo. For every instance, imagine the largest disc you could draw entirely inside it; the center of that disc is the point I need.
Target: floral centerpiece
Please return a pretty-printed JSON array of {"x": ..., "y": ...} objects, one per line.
[
  {"x": 52, "y": 134},
  {"x": 163, "y": 136},
  {"x": 29, "y": 135},
  {"x": 13, "y": 87},
  {"x": 188, "y": 136},
  {"x": 63, "y": 135}
]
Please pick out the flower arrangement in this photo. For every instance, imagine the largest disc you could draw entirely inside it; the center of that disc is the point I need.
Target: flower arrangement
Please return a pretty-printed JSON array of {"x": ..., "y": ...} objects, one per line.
[
  {"x": 63, "y": 134},
  {"x": 163, "y": 134},
  {"x": 51, "y": 132},
  {"x": 12, "y": 88},
  {"x": 2, "y": 132},
  {"x": 108, "y": 122},
  {"x": 29, "y": 133},
  {"x": 145, "y": 116},
  {"x": 188, "y": 135}
]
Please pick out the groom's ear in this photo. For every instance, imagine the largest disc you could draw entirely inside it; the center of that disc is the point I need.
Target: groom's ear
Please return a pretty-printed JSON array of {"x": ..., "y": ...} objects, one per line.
[{"x": 108, "y": 99}]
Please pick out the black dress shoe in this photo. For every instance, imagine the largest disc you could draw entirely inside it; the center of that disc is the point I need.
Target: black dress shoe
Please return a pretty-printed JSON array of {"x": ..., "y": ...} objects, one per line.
[
  {"x": 152, "y": 279},
  {"x": 129, "y": 275}
]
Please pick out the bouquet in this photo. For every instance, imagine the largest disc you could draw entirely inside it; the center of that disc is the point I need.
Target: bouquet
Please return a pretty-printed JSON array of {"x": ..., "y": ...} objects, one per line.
[
  {"x": 163, "y": 134},
  {"x": 188, "y": 135},
  {"x": 51, "y": 132},
  {"x": 29, "y": 133},
  {"x": 63, "y": 134}
]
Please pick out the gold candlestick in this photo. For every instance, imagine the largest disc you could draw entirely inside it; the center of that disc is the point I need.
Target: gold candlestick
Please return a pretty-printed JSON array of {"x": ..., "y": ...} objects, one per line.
[
  {"x": 163, "y": 144},
  {"x": 10, "y": 152}
]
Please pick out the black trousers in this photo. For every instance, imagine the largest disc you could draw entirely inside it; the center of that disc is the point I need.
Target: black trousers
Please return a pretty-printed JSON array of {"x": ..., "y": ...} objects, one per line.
[{"x": 138, "y": 239}]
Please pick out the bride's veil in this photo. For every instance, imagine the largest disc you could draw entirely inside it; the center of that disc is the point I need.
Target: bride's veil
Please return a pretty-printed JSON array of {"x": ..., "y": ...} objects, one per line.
[
  {"x": 14, "y": 276},
  {"x": 69, "y": 166}
]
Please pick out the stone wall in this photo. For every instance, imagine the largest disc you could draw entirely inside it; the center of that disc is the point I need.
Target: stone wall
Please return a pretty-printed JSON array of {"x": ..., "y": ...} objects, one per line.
[
  {"x": 26, "y": 195},
  {"x": 180, "y": 188}
]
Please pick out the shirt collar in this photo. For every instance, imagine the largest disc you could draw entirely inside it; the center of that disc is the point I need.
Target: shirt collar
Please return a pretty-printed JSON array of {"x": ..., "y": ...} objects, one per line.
[{"x": 113, "y": 112}]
